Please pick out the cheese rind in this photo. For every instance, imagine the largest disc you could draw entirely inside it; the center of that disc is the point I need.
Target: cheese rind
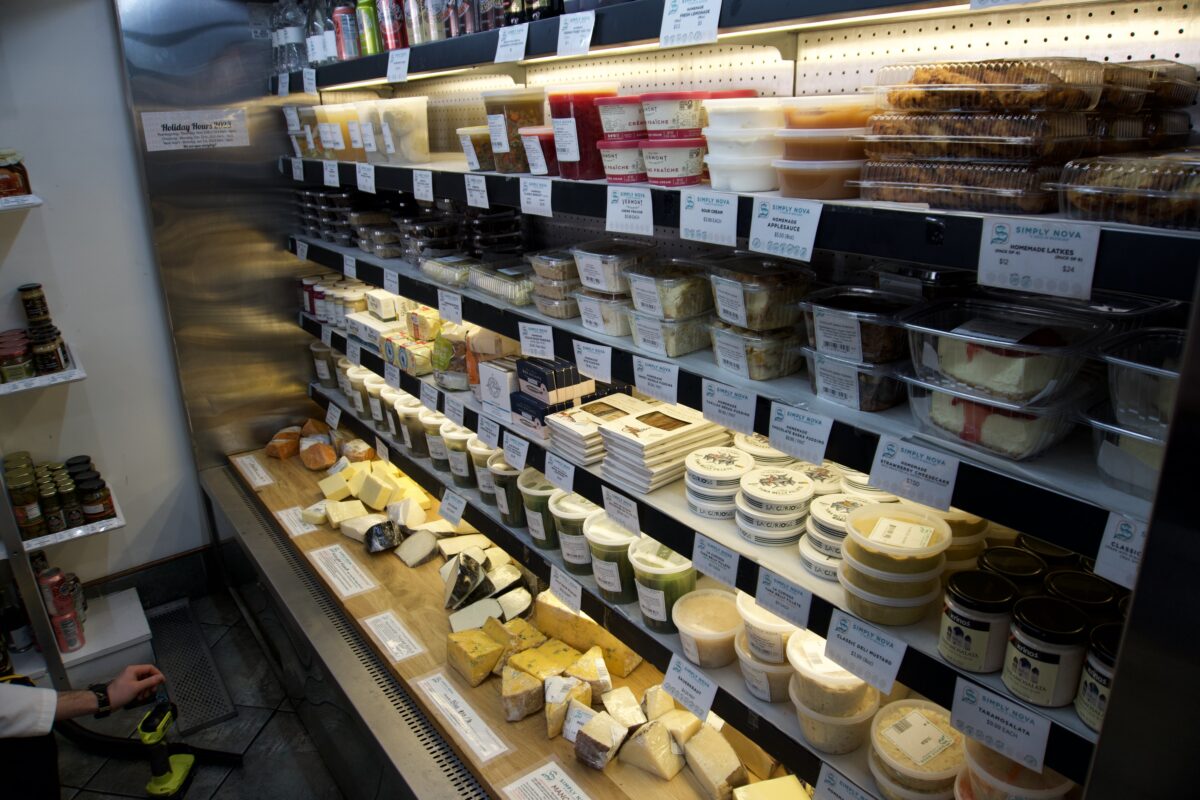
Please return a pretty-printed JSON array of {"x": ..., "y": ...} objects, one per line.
[
  {"x": 580, "y": 631},
  {"x": 315, "y": 514},
  {"x": 623, "y": 706},
  {"x": 521, "y": 694},
  {"x": 334, "y": 487},
  {"x": 551, "y": 658},
  {"x": 472, "y": 654},
  {"x": 346, "y": 509},
  {"x": 649, "y": 748},
  {"x": 591, "y": 669},
  {"x": 598, "y": 740},
  {"x": 376, "y": 491},
  {"x": 560, "y": 691},
  {"x": 356, "y": 528},
  {"x": 714, "y": 764},
  {"x": 657, "y": 702}
]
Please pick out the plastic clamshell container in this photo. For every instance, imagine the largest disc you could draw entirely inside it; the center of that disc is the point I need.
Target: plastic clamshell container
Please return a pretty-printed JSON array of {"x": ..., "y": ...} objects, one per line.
[
  {"x": 766, "y": 681},
  {"x": 602, "y": 263},
  {"x": 818, "y": 180},
  {"x": 890, "y": 790},
  {"x": 994, "y": 188},
  {"x": 834, "y": 734},
  {"x": 914, "y": 549},
  {"x": 1018, "y": 84},
  {"x": 448, "y": 270},
  {"x": 669, "y": 337},
  {"x": 1122, "y": 310},
  {"x": 556, "y": 290},
  {"x": 734, "y": 113},
  {"x": 604, "y": 313},
  {"x": 742, "y": 173},
  {"x": 514, "y": 284},
  {"x": 1128, "y": 460},
  {"x": 1160, "y": 190},
  {"x": 857, "y": 323},
  {"x": 668, "y": 290},
  {"x": 766, "y": 634},
  {"x": 996, "y": 777},
  {"x": 1027, "y": 138},
  {"x": 866, "y": 387},
  {"x": 673, "y": 115},
  {"x": 821, "y": 144},
  {"x": 622, "y": 160},
  {"x": 566, "y": 308},
  {"x": 743, "y": 142},
  {"x": 708, "y": 622},
  {"x": 621, "y": 118},
  {"x": 1125, "y": 89},
  {"x": 556, "y": 265},
  {"x": 757, "y": 355},
  {"x": 1171, "y": 84},
  {"x": 1143, "y": 377},
  {"x": 1001, "y": 350},
  {"x": 829, "y": 110},
  {"x": 758, "y": 293},
  {"x": 662, "y": 576},
  {"x": 821, "y": 684},
  {"x": 673, "y": 162}
]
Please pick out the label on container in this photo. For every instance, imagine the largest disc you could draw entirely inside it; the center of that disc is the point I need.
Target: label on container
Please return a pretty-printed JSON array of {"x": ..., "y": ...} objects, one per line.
[
  {"x": 756, "y": 681},
  {"x": 900, "y": 534},
  {"x": 607, "y": 574},
  {"x": 391, "y": 375},
  {"x": 833, "y": 785},
  {"x": 630, "y": 210},
  {"x": 864, "y": 650},
  {"x": 466, "y": 723},
  {"x": 652, "y": 602},
  {"x": 489, "y": 431},
  {"x": 996, "y": 330},
  {"x": 715, "y": 560},
  {"x": 364, "y": 176},
  {"x": 516, "y": 450},
  {"x": 535, "y": 196},
  {"x": 477, "y": 195},
  {"x": 645, "y": 295},
  {"x": 298, "y": 171},
  {"x": 397, "y": 68},
  {"x": 293, "y": 522},
  {"x": 621, "y": 509},
  {"x": 575, "y": 33},
  {"x": 355, "y": 132},
  {"x": 391, "y": 281},
  {"x": 836, "y": 382},
  {"x": 293, "y": 119},
  {"x": 498, "y": 132},
  {"x": 429, "y": 396},
  {"x": 367, "y": 130},
  {"x": 536, "y": 525},
  {"x": 302, "y": 253},
  {"x": 594, "y": 360},
  {"x": 284, "y": 84},
  {"x": 501, "y": 500},
  {"x": 688, "y": 684},
  {"x": 549, "y": 781},
  {"x": 423, "y": 185},
  {"x": 322, "y": 368},
  {"x": 376, "y": 408},
  {"x": 918, "y": 738},
  {"x": 574, "y": 548},
  {"x": 468, "y": 150},
  {"x": 329, "y": 173},
  {"x": 1042, "y": 256},
  {"x": 730, "y": 351},
  {"x": 450, "y": 306},
  {"x": 1121, "y": 550},
  {"x": 460, "y": 462},
  {"x": 688, "y": 22},
  {"x": 452, "y": 507},
  {"x": 437, "y": 447},
  {"x": 837, "y": 333},
  {"x": 389, "y": 144},
  {"x": 390, "y": 632},
  {"x": 801, "y": 434},
  {"x": 1007, "y": 727},
  {"x": 566, "y": 138},
  {"x": 536, "y": 340},
  {"x": 534, "y": 155},
  {"x": 341, "y": 571},
  {"x": 510, "y": 46},
  {"x": 914, "y": 473},
  {"x": 656, "y": 379},
  {"x": 731, "y": 303},
  {"x": 333, "y": 415},
  {"x": 783, "y": 598},
  {"x": 648, "y": 335},
  {"x": 560, "y": 472},
  {"x": 566, "y": 588},
  {"x": 785, "y": 227},
  {"x": 728, "y": 406},
  {"x": 354, "y": 352},
  {"x": 707, "y": 216}
]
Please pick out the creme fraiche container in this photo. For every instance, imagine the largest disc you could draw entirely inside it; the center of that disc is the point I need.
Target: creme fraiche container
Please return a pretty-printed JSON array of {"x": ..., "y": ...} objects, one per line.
[
  {"x": 673, "y": 162},
  {"x": 673, "y": 115},
  {"x": 622, "y": 160}
]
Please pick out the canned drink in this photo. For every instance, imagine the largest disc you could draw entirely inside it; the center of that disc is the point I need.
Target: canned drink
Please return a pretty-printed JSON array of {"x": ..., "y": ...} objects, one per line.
[
  {"x": 78, "y": 601},
  {"x": 38, "y": 562},
  {"x": 392, "y": 31},
  {"x": 345, "y": 27},
  {"x": 68, "y": 631},
  {"x": 48, "y": 582},
  {"x": 369, "y": 42}
]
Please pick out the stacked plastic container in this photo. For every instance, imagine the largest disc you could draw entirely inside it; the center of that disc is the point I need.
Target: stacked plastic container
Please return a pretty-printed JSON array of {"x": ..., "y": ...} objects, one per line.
[
  {"x": 741, "y": 142},
  {"x": 762, "y": 650},
  {"x": 555, "y": 282},
  {"x": 916, "y": 752},
  {"x": 820, "y": 151},
  {"x": 394, "y": 131},
  {"x": 835, "y": 708},
  {"x": 672, "y": 307},
  {"x": 604, "y": 301},
  {"x": 713, "y": 480}
]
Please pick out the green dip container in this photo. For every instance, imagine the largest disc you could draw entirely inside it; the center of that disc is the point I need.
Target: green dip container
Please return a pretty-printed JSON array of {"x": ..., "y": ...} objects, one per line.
[{"x": 662, "y": 576}]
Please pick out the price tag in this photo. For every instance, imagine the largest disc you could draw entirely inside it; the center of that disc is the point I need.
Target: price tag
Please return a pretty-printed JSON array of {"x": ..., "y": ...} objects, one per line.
[
  {"x": 783, "y": 598},
  {"x": 594, "y": 360},
  {"x": 565, "y": 588},
  {"x": 914, "y": 473},
  {"x": 350, "y": 267},
  {"x": 454, "y": 410},
  {"x": 1038, "y": 255},
  {"x": 364, "y": 174},
  {"x": 309, "y": 77},
  {"x": 450, "y": 306},
  {"x": 784, "y": 227},
  {"x": 354, "y": 352},
  {"x": 547, "y": 781},
  {"x": 630, "y": 210},
  {"x": 864, "y": 650},
  {"x": 1121, "y": 550},
  {"x": 688, "y": 22},
  {"x": 391, "y": 281},
  {"x": 423, "y": 185},
  {"x": 429, "y": 396},
  {"x": 329, "y": 173},
  {"x": 706, "y": 216},
  {"x": 688, "y": 684},
  {"x": 381, "y": 450},
  {"x": 297, "y": 169},
  {"x": 800, "y": 434},
  {"x": 333, "y": 415},
  {"x": 560, "y": 472},
  {"x": 476, "y": 191},
  {"x": 621, "y": 509},
  {"x": 452, "y": 507},
  {"x": 489, "y": 431},
  {"x": 293, "y": 522},
  {"x": 293, "y": 119},
  {"x": 836, "y": 381},
  {"x": 535, "y": 195},
  {"x": 728, "y": 406},
  {"x": 1007, "y": 727},
  {"x": 833, "y": 785},
  {"x": 392, "y": 634},
  {"x": 302, "y": 251},
  {"x": 342, "y": 572},
  {"x": 397, "y": 71},
  {"x": 327, "y": 335},
  {"x": 516, "y": 450},
  {"x": 253, "y": 471},
  {"x": 536, "y": 340},
  {"x": 654, "y": 378},
  {"x": 511, "y": 44},
  {"x": 575, "y": 33},
  {"x": 715, "y": 560},
  {"x": 283, "y": 81},
  {"x": 391, "y": 375}
]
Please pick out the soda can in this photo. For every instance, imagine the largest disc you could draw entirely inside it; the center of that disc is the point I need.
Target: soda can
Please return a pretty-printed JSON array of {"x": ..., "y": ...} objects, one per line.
[
  {"x": 63, "y": 600},
  {"x": 78, "y": 601},
  {"x": 68, "y": 631},
  {"x": 391, "y": 24},
  {"x": 49, "y": 581},
  {"x": 369, "y": 42},
  {"x": 345, "y": 27}
]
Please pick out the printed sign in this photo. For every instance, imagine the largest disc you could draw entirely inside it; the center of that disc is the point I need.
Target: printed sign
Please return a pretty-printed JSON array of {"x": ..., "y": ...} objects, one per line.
[
  {"x": 1038, "y": 255},
  {"x": 510, "y": 46},
  {"x": 621, "y": 509},
  {"x": 462, "y": 717},
  {"x": 783, "y": 598},
  {"x": 594, "y": 360},
  {"x": 659, "y": 380},
  {"x": 329, "y": 173},
  {"x": 516, "y": 450},
  {"x": 1009, "y": 728},
  {"x": 565, "y": 588},
  {"x": 688, "y": 684},
  {"x": 560, "y": 472},
  {"x": 833, "y": 785},
  {"x": 391, "y": 633},
  {"x": 206, "y": 129},
  {"x": 547, "y": 782},
  {"x": 293, "y": 522},
  {"x": 536, "y": 340},
  {"x": 535, "y": 195},
  {"x": 575, "y": 33},
  {"x": 364, "y": 177},
  {"x": 729, "y": 406},
  {"x": 914, "y": 473},
  {"x": 864, "y": 650},
  {"x": 715, "y": 560},
  {"x": 397, "y": 69},
  {"x": 477, "y": 195},
  {"x": 800, "y": 434},
  {"x": 630, "y": 210},
  {"x": 342, "y": 571},
  {"x": 253, "y": 471},
  {"x": 450, "y": 306},
  {"x": 784, "y": 227},
  {"x": 423, "y": 185},
  {"x": 688, "y": 22},
  {"x": 1121, "y": 550},
  {"x": 706, "y": 216},
  {"x": 452, "y": 507}
]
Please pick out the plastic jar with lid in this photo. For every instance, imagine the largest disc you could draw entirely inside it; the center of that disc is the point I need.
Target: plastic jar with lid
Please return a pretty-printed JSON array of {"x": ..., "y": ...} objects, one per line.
[
  {"x": 739, "y": 113},
  {"x": 1090, "y": 593},
  {"x": 673, "y": 115},
  {"x": 976, "y": 615},
  {"x": 570, "y": 511},
  {"x": 97, "y": 501},
  {"x": 476, "y": 143},
  {"x": 662, "y": 576},
  {"x": 575, "y": 118},
  {"x": 622, "y": 160},
  {"x": 409, "y": 409},
  {"x": 609, "y": 543},
  {"x": 916, "y": 745},
  {"x": 509, "y": 110},
  {"x": 834, "y": 734},
  {"x": 357, "y": 376},
  {"x": 538, "y": 141},
  {"x": 480, "y": 453},
  {"x": 375, "y": 386},
  {"x": 992, "y": 776},
  {"x": 1023, "y": 568},
  {"x": 388, "y": 398},
  {"x": 888, "y": 537},
  {"x": 16, "y": 362},
  {"x": 621, "y": 117},
  {"x": 508, "y": 494},
  {"x": 821, "y": 684},
  {"x": 535, "y": 496},
  {"x": 23, "y": 492},
  {"x": 1046, "y": 648},
  {"x": 355, "y": 301},
  {"x": 884, "y": 609},
  {"x": 431, "y": 426},
  {"x": 673, "y": 162},
  {"x": 708, "y": 622},
  {"x": 1096, "y": 683},
  {"x": 462, "y": 469},
  {"x": 764, "y": 680},
  {"x": 322, "y": 356}
]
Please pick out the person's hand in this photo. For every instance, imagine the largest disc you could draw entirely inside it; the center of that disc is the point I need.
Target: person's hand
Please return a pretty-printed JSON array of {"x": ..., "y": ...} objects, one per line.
[{"x": 136, "y": 682}]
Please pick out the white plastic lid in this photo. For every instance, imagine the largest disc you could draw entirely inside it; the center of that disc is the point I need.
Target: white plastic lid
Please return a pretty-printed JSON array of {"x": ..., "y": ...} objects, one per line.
[
  {"x": 723, "y": 464},
  {"x": 819, "y": 133},
  {"x": 816, "y": 166},
  {"x": 880, "y": 600},
  {"x": 742, "y": 648},
  {"x": 742, "y": 102},
  {"x": 827, "y": 100},
  {"x": 953, "y": 515},
  {"x": 498, "y": 465},
  {"x": 759, "y": 446},
  {"x": 756, "y": 615},
  {"x": 806, "y": 654},
  {"x": 600, "y": 529},
  {"x": 454, "y": 432},
  {"x": 938, "y": 541},
  {"x": 476, "y": 445},
  {"x": 934, "y": 714},
  {"x": 824, "y": 719},
  {"x": 429, "y": 417},
  {"x": 833, "y": 510},
  {"x": 532, "y": 481},
  {"x": 570, "y": 505},
  {"x": 738, "y": 134},
  {"x": 655, "y": 558},
  {"x": 693, "y": 613},
  {"x": 777, "y": 485}
]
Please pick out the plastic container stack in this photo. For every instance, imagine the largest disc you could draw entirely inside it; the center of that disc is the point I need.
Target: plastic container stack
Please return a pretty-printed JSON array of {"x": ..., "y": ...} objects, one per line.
[
  {"x": 825, "y": 533},
  {"x": 820, "y": 153},
  {"x": 771, "y": 506},
  {"x": 835, "y": 708},
  {"x": 672, "y": 307},
  {"x": 604, "y": 301},
  {"x": 741, "y": 142},
  {"x": 713, "y": 480}
]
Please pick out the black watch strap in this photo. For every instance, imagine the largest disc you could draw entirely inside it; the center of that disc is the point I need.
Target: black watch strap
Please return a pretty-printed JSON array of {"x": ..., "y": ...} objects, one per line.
[{"x": 102, "y": 701}]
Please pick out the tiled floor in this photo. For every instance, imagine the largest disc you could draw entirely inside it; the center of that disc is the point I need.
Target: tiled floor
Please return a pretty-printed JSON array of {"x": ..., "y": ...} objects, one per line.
[{"x": 278, "y": 756}]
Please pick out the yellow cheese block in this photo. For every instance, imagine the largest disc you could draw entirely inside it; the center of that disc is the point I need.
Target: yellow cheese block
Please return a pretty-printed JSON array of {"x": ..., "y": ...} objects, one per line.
[
  {"x": 552, "y": 658},
  {"x": 591, "y": 669},
  {"x": 650, "y": 748},
  {"x": 472, "y": 654},
  {"x": 521, "y": 694},
  {"x": 657, "y": 702},
  {"x": 581, "y": 631},
  {"x": 356, "y": 481},
  {"x": 560, "y": 691},
  {"x": 334, "y": 487},
  {"x": 713, "y": 763},
  {"x": 682, "y": 724},
  {"x": 340, "y": 512},
  {"x": 384, "y": 468},
  {"x": 530, "y": 636},
  {"x": 376, "y": 492},
  {"x": 315, "y": 514},
  {"x": 513, "y": 638},
  {"x": 410, "y": 488},
  {"x": 786, "y": 788},
  {"x": 757, "y": 760}
]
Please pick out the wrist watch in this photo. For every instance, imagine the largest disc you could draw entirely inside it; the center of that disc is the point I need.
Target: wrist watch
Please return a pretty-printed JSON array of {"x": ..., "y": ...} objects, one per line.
[{"x": 104, "y": 707}]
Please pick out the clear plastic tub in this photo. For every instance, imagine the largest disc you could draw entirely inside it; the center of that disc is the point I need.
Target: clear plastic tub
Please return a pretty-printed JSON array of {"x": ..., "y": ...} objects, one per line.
[
  {"x": 818, "y": 180},
  {"x": 830, "y": 734},
  {"x": 742, "y": 173},
  {"x": 890, "y": 790},
  {"x": 622, "y": 160},
  {"x": 866, "y": 387},
  {"x": 448, "y": 270},
  {"x": 1000, "y": 350},
  {"x": 509, "y": 110},
  {"x": 669, "y": 337},
  {"x": 896, "y": 539},
  {"x": 1125, "y": 88},
  {"x": 708, "y": 622},
  {"x": 622, "y": 117},
  {"x": 766, "y": 634},
  {"x": 993, "y": 776},
  {"x": 1122, "y": 310},
  {"x": 743, "y": 142},
  {"x": 821, "y": 144},
  {"x": 1128, "y": 460},
  {"x": 566, "y": 308},
  {"x": 821, "y": 684},
  {"x": 673, "y": 115},
  {"x": 857, "y": 323},
  {"x": 1164, "y": 128},
  {"x": 1028, "y": 138},
  {"x": 757, "y": 293},
  {"x": 570, "y": 511},
  {"x": 556, "y": 265},
  {"x": 668, "y": 290},
  {"x": 1171, "y": 84},
  {"x": 1143, "y": 377},
  {"x": 739, "y": 113},
  {"x": 886, "y": 610},
  {"x": 758, "y": 355},
  {"x": 673, "y": 162},
  {"x": 476, "y": 144},
  {"x": 994, "y": 188},
  {"x": 1160, "y": 190},
  {"x": 602, "y": 263},
  {"x": 829, "y": 110},
  {"x": 609, "y": 544},
  {"x": 538, "y": 141},
  {"x": 897, "y": 586},
  {"x": 662, "y": 577},
  {"x": 404, "y": 129},
  {"x": 480, "y": 453},
  {"x": 556, "y": 290},
  {"x": 514, "y": 284},
  {"x": 1018, "y": 84},
  {"x": 604, "y": 313},
  {"x": 766, "y": 681}
]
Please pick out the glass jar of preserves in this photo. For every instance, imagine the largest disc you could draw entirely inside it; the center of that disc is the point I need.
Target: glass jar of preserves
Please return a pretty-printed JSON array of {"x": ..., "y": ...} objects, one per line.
[
  {"x": 96, "y": 500},
  {"x": 47, "y": 359},
  {"x": 14, "y": 179},
  {"x": 34, "y": 301},
  {"x": 72, "y": 509},
  {"x": 52, "y": 509},
  {"x": 76, "y": 464},
  {"x": 16, "y": 363},
  {"x": 24, "y": 495}
]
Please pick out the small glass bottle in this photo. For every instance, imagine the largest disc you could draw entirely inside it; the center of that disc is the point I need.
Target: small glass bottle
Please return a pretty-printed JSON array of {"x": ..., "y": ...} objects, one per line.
[
  {"x": 24, "y": 495},
  {"x": 72, "y": 508}
]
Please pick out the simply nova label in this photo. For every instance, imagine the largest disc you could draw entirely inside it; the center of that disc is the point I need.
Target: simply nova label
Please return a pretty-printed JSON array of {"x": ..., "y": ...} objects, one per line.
[
  {"x": 800, "y": 434},
  {"x": 833, "y": 785},
  {"x": 783, "y": 598},
  {"x": 450, "y": 306},
  {"x": 864, "y": 650},
  {"x": 621, "y": 509},
  {"x": 1037, "y": 255},
  {"x": 594, "y": 360},
  {"x": 510, "y": 45},
  {"x": 715, "y": 560},
  {"x": 659, "y": 380},
  {"x": 547, "y": 782},
  {"x": 575, "y": 33},
  {"x": 423, "y": 185},
  {"x": 560, "y": 472},
  {"x": 1121, "y": 550},
  {"x": 1007, "y": 727},
  {"x": 688, "y": 684},
  {"x": 688, "y": 22},
  {"x": 391, "y": 633},
  {"x": 706, "y": 216},
  {"x": 536, "y": 340},
  {"x": 535, "y": 195},
  {"x": 565, "y": 588},
  {"x": 630, "y": 210},
  {"x": 914, "y": 473},
  {"x": 452, "y": 507},
  {"x": 728, "y": 406},
  {"x": 784, "y": 227}
]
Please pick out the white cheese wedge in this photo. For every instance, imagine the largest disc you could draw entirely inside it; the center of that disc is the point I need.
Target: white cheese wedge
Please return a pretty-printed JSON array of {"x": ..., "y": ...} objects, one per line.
[
  {"x": 474, "y": 615},
  {"x": 657, "y": 702},
  {"x": 577, "y": 716},
  {"x": 334, "y": 487},
  {"x": 417, "y": 549},
  {"x": 714, "y": 764},
  {"x": 623, "y": 706},
  {"x": 598, "y": 740},
  {"x": 346, "y": 509},
  {"x": 406, "y": 512},
  {"x": 357, "y": 527},
  {"x": 315, "y": 514},
  {"x": 456, "y": 544}
]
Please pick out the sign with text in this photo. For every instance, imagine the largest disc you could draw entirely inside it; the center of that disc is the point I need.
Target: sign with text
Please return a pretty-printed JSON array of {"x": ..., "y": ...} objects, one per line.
[
  {"x": 833, "y": 785},
  {"x": 630, "y": 210},
  {"x": 452, "y": 507},
  {"x": 659, "y": 380},
  {"x": 297, "y": 169},
  {"x": 510, "y": 46},
  {"x": 329, "y": 173},
  {"x": 785, "y": 227},
  {"x": 728, "y": 406},
  {"x": 688, "y": 684},
  {"x": 450, "y": 306},
  {"x": 914, "y": 473},
  {"x": 477, "y": 195},
  {"x": 333, "y": 415},
  {"x": 536, "y": 340},
  {"x": 560, "y": 472},
  {"x": 783, "y": 598},
  {"x": 706, "y": 216},
  {"x": 575, "y": 33},
  {"x": 565, "y": 588},
  {"x": 800, "y": 434},
  {"x": 453, "y": 410},
  {"x": 594, "y": 360},
  {"x": 535, "y": 195},
  {"x": 516, "y": 450},
  {"x": 1038, "y": 255},
  {"x": 715, "y": 560},
  {"x": 621, "y": 509},
  {"x": 1007, "y": 727},
  {"x": 397, "y": 69},
  {"x": 364, "y": 176},
  {"x": 429, "y": 396},
  {"x": 1121, "y": 550},
  {"x": 864, "y": 650},
  {"x": 308, "y": 77},
  {"x": 489, "y": 431},
  {"x": 423, "y": 185},
  {"x": 689, "y": 22}
]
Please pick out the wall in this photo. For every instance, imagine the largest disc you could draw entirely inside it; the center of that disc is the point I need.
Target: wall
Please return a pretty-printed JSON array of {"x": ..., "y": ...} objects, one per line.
[{"x": 63, "y": 106}]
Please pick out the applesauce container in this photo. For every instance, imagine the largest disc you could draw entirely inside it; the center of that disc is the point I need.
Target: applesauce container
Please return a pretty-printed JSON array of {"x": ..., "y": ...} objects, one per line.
[
  {"x": 570, "y": 511},
  {"x": 480, "y": 453},
  {"x": 609, "y": 546},
  {"x": 535, "y": 494},
  {"x": 431, "y": 426},
  {"x": 662, "y": 577},
  {"x": 462, "y": 468},
  {"x": 508, "y": 495}
]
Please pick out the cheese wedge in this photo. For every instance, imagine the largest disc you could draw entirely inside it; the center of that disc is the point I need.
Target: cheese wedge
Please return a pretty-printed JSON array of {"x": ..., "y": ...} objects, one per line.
[
  {"x": 682, "y": 724},
  {"x": 714, "y": 763},
  {"x": 315, "y": 514},
  {"x": 581, "y": 631},
  {"x": 622, "y": 705},
  {"x": 521, "y": 694},
  {"x": 657, "y": 702},
  {"x": 787, "y": 787},
  {"x": 591, "y": 669},
  {"x": 384, "y": 468},
  {"x": 757, "y": 760},
  {"x": 358, "y": 479},
  {"x": 334, "y": 487},
  {"x": 356, "y": 528},
  {"x": 512, "y": 639},
  {"x": 406, "y": 512},
  {"x": 472, "y": 654},
  {"x": 551, "y": 658},
  {"x": 598, "y": 740},
  {"x": 456, "y": 544},
  {"x": 578, "y": 715},
  {"x": 346, "y": 509},
  {"x": 560, "y": 691},
  {"x": 375, "y": 492},
  {"x": 650, "y": 748}
]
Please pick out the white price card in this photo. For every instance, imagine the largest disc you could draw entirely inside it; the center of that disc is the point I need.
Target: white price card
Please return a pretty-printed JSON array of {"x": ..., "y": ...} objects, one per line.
[
  {"x": 621, "y": 509},
  {"x": 333, "y": 415},
  {"x": 688, "y": 684},
  {"x": 547, "y": 782},
  {"x": 453, "y": 410},
  {"x": 783, "y": 598},
  {"x": 302, "y": 250},
  {"x": 450, "y": 306},
  {"x": 423, "y": 185},
  {"x": 536, "y": 340},
  {"x": 864, "y": 650},
  {"x": 364, "y": 176},
  {"x": 350, "y": 267},
  {"x": 329, "y": 173},
  {"x": 253, "y": 471},
  {"x": 535, "y": 195},
  {"x": 429, "y": 396},
  {"x": 560, "y": 472},
  {"x": 390, "y": 632},
  {"x": 1007, "y": 727},
  {"x": 688, "y": 22},
  {"x": 354, "y": 352},
  {"x": 297, "y": 169},
  {"x": 516, "y": 450},
  {"x": 594, "y": 360},
  {"x": 511, "y": 44},
  {"x": 391, "y": 375},
  {"x": 452, "y": 507},
  {"x": 391, "y": 281},
  {"x": 309, "y": 77},
  {"x": 706, "y": 216},
  {"x": 284, "y": 84},
  {"x": 659, "y": 380},
  {"x": 341, "y": 571},
  {"x": 575, "y": 33},
  {"x": 397, "y": 70},
  {"x": 914, "y": 473},
  {"x": 461, "y": 717},
  {"x": 476, "y": 191},
  {"x": 833, "y": 785},
  {"x": 293, "y": 522},
  {"x": 327, "y": 335},
  {"x": 1121, "y": 550},
  {"x": 1038, "y": 255},
  {"x": 565, "y": 588},
  {"x": 292, "y": 116},
  {"x": 728, "y": 406},
  {"x": 715, "y": 560},
  {"x": 381, "y": 450},
  {"x": 800, "y": 434},
  {"x": 630, "y": 210},
  {"x": 489, "y": 431},
  {"x": 784, "y": 227}
]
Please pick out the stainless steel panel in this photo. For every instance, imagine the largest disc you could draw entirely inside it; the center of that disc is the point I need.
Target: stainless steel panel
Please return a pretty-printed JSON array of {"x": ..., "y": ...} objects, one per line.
[{"x": 218, "y": 217}]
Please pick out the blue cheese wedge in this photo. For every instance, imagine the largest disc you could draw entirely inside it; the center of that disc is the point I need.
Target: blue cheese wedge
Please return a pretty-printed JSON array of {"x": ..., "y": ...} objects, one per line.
[{"x": 521, "y": 694}]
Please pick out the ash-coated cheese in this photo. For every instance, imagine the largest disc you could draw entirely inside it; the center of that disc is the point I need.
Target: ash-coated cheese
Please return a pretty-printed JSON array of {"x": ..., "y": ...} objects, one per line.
[
  {"x": 376, "y": 491},
  {"x": 339, "y": 512},
  {"x": 334, "y": 487},
  {"x": 591, "y": 669},
  {"x": 357, "y": 527},
  {"x": 560, "y": 691},
  {"x": 551, "y": 658},
  {"x": 472, "y": 654},
  {"x": 581, "y": 631},
  {"x": 598, "y": 740},
  {"x": 315, "y": 514},
  {"x": 650, "y": 748},
  {"x": 623, "y": 706},
  {"x": 715, "y": 765},
  {"x": 521, "y": 694},
  {"x": 657, "y": 702}
]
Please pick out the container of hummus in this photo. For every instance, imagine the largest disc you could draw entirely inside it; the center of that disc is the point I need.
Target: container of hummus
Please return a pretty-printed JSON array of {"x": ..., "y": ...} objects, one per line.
[{"x": 887, "y": 537}]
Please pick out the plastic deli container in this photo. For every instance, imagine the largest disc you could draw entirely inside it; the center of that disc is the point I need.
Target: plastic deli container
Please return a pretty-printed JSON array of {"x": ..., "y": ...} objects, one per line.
[
  {"x": 1125, "y": 88},
  {"x": 404, "y": 129},
  {"x": 1171, "y": 84},
  {"x": 1127, "y": 459},
  {"x": 1122, "y": 310},
  {"x": 557, "y": 265},
  {"x": 669, "y": 337},
  {"x": 866, "y": 387},
  {"x": 886, "y": 610},
  {"x": 602, "y": 263},
  {"x": 821, "y": 684},
  {"x": 673, "y": 115},
  {"x": 577, "y": 127},
  {"x": 480, "y": 453},
  {"x": 766, "y": 681},
  {"x": 567, "y": 308},
  {"x": 412, "y": 431},
  {"x": 556, "y": 290},
  {"x": 509, "y": 110},
  {"x": 818, "y": 180},
  {"x": 1026, "y": 138},
  {"x": 431, "y": 423},
  {"x": 916, "y": 746},
  {"x": 535, "y": 495},
  {"x": 766, "y": 634},
  {"x": 540, "y": 152},
  {"x": 604, "y": 313},
  {"x": 462, "y": 468},
  {"x": 673, "y": 162},
  {"x": 570, "y": 511},
  {"x": 622, "y": 160},
  {"x": 992, "y": 188},
  {"x": 743, "y": 142},
  {"x": 668, "y": 290},
  {"x": 821, "y": 144},
  {"x": 621, "y": 117},
  {"x": 893, "y": 585},
  {"x": 993, "y": 776},
  {"x": 1143, "y": 377},
  {"x": 1010, "y": 352},
  {"x": 662, "y": 577},
  {"x": 708, "y": 622},
  {"x": 829, "y": 110},
  {"x": 890, "y": 790},
  {"x": 742, "y": 173},
  {"x": 964, "y": 526},
  {"x": 758, "y": 355},
  {"x": 449, "y": 270},
  {"x": 508, "y": 494},
  {"x": 1018, "y": 84},
  {"x": 834, "y": 734},
  {"x": 609, "y": 545},
  {"x": 759, "y": 294},
  {"x": 857, "y": 324},
  {"x": 733, "y": 113},
  {"x": 896, "y": 539},
  {"x": 514, "y": 284},
  {"x": 476, "y": 144}
]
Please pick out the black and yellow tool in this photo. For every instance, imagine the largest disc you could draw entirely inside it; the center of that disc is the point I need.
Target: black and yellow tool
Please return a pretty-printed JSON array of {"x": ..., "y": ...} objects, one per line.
[{"x": 169, "y": 773}]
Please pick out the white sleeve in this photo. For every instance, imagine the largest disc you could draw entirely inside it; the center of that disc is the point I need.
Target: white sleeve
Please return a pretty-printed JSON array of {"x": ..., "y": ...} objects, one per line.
[{"x": 25, "y": 710}]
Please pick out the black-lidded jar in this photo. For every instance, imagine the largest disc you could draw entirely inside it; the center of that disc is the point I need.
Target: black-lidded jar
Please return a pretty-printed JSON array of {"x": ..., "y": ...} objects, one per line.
[
  {"x": 976, "y": 615},
  {"x": 1046, "y": 647},
  {"x": 97, "y": 501},
  {"x": 1091, "y": 594},
  {"x": 1096, "y": 683},
  {"x": 34, "y": 301},
  {"x": 1055, "y": 557},
  {"x": 1020, "y": 566}
]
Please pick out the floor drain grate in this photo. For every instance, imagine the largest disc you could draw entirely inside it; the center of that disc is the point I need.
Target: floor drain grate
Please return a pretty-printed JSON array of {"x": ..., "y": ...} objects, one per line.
[{"x": 183, "y": 656}]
